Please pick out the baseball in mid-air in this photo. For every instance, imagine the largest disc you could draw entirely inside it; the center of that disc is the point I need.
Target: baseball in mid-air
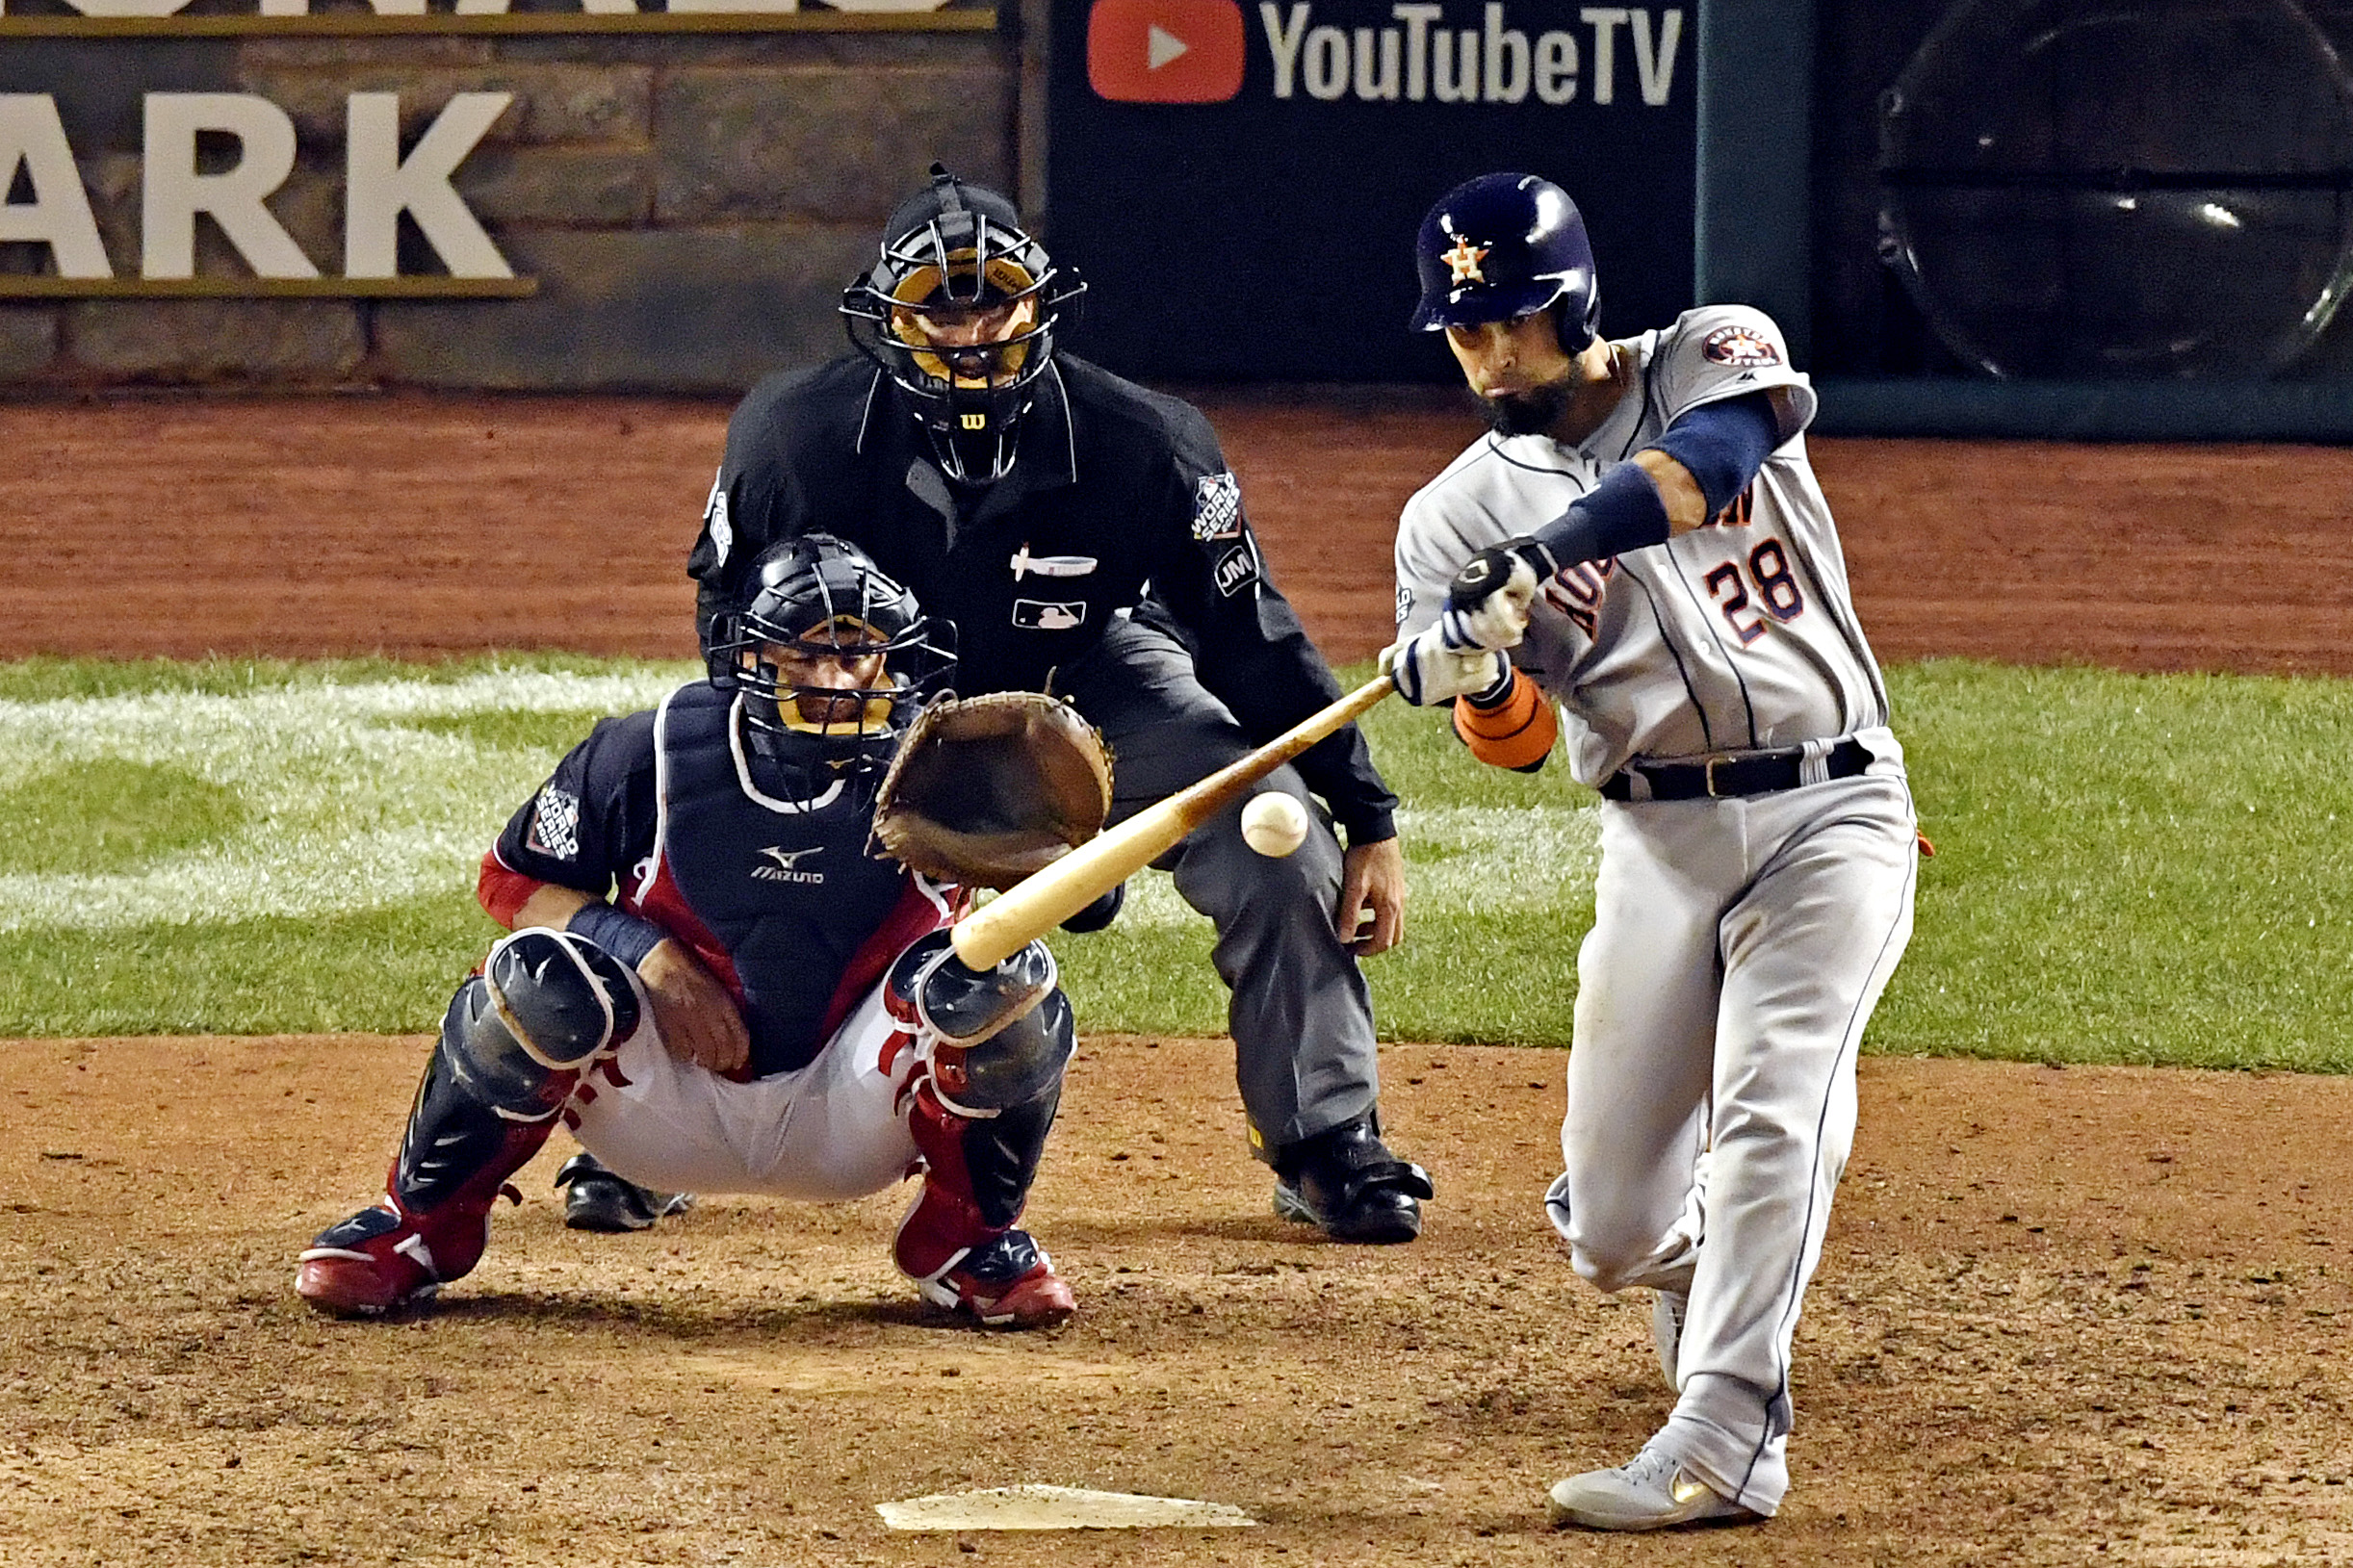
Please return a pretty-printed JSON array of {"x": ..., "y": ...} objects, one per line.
[{"x": 1274, "y": 824}]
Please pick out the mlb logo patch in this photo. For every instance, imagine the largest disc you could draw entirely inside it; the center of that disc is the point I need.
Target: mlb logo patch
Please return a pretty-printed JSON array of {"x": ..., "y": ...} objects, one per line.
[
  {"x": 1743, "y": 347},
  {"x": 1235, "y": 570},
  {"x": 1217, "y": 507},
  {"x": 1048, "y": 615}
]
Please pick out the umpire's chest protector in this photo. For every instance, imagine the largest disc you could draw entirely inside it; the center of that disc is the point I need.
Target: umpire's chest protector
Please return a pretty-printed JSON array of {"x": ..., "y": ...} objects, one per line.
[{"x": 785, "y": 889}]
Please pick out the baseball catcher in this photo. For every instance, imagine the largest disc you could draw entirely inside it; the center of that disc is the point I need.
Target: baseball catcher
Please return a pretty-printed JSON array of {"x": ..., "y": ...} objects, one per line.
[{"x": 717, "y": 987}]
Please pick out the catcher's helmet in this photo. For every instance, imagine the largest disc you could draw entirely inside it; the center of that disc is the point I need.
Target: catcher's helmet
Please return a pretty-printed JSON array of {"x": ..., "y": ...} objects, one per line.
[
  {"x": 1506, "y": 246},
  {"x": 960, "y": 311},
  {"x": 823, "y": 597}
]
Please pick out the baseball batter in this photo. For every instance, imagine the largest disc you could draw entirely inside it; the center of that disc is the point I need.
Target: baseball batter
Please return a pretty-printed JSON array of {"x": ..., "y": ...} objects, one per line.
[
  {"x": 1642, "y": 533},
  {"x": 715, "y": 987}
]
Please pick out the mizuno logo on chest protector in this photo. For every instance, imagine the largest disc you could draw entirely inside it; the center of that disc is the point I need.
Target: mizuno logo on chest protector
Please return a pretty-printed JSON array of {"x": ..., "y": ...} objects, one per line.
[{"x": 787, "y": 866}]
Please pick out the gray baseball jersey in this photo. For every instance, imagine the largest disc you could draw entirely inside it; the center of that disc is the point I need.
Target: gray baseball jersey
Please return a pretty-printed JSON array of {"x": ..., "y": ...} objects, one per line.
[
  {"x": 1738, "y": 943},
  {"x": 1735, "y": 636}
]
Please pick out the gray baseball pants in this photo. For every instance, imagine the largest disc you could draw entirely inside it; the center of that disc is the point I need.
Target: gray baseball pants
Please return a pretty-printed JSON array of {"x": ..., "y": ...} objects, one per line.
[{"x": 1737, "y": 951}]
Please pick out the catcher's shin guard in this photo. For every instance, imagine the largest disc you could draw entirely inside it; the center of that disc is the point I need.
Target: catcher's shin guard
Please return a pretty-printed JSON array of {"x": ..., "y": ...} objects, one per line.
[
  {"x": 512, "y": 1046},
  {"x": 549, "y": 1001},
  {"x": 958, "y": 1242}
]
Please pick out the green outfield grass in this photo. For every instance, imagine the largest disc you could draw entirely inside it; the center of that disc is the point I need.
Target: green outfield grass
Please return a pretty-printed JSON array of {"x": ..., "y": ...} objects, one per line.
[{"x": 2130, "y": 869}]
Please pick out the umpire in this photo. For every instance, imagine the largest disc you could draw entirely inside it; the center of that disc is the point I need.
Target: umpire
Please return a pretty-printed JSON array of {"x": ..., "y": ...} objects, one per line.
[{"x": 1086, "y": 537}]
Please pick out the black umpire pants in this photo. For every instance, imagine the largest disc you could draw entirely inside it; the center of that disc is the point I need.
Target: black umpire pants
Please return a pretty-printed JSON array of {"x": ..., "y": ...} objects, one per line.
[{"x": 1300, "y": 1015}]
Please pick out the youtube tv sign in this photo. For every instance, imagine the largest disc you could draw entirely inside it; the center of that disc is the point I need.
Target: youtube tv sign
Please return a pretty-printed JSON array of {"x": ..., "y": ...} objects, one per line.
[
  {"x": 1165, "y": 51},
  {"x": 1240, "y": 180}
]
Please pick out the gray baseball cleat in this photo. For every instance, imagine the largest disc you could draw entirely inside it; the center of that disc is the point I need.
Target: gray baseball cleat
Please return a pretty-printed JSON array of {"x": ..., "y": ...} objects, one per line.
[
  {"x": 1651, "y": 1491},
  {"x": 1667, "y": 1310}
]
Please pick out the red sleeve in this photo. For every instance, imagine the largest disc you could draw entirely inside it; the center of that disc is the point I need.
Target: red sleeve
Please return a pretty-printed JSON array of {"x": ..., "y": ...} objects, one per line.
[{"x": 503, "y": 891}]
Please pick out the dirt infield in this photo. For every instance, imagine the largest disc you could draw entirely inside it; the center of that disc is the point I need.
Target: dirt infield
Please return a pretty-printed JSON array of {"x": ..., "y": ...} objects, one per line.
[
  {"x": 2063, "y": 1317},
  {"x": 2072, "y": 1316}
]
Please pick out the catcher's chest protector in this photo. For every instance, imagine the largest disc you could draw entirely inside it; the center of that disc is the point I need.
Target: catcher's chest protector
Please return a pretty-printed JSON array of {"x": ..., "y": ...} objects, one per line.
[{"x": 786, "y": 886}]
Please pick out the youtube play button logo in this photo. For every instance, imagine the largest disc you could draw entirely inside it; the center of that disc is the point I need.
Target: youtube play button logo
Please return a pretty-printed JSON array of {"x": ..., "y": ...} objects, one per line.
[{"x": 1165, "y": 51}]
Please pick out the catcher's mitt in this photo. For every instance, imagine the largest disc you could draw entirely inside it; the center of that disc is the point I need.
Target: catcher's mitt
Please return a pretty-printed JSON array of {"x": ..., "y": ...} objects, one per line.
[{"x": 985, "y": 790}]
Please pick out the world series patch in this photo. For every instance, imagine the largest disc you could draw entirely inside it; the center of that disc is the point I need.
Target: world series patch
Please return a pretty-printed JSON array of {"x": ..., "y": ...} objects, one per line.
[
  {"x": 1743, "y": 347},
  {"x": 555, "y": 824},
  {"x": 1217, "y": 507}
]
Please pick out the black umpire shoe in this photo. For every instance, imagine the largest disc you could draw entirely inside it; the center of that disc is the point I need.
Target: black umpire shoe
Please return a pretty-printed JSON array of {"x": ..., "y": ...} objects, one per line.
[
  {"x": 597, "y": 1199},
  {"x": 1346, "y": 1181},
  {"x": 1098, "y": 915}
]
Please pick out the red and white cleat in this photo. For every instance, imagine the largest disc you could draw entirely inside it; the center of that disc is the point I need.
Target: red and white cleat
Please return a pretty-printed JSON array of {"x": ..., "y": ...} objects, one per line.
[
  {"x": 1007, "y": 1283},
  {"x": 380, "y": 1260}
]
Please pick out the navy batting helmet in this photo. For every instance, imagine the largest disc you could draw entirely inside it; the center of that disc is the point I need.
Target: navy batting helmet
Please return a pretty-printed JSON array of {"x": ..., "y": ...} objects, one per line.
[
  {"x": 960, "y": 310},
  {"x": 823, "y": 597},
  {"x": 1506, "y": 246}
]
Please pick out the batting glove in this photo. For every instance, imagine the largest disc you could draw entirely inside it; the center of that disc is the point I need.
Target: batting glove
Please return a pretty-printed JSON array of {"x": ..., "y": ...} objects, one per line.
[
  {"x": 1487, "y": 603},
  {"x": 1427, "y": 671}
]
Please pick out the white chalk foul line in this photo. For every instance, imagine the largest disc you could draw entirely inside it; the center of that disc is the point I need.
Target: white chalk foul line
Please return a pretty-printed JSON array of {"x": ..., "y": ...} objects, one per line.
[
  {"x": 1471, "y": 859},
  {"x": 352, "y": 808}
]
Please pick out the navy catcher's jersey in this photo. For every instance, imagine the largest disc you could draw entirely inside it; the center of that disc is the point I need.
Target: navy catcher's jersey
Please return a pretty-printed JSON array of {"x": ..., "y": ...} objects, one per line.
[
  {"x": 777, "y": 896},
  {"x": 1735, "y": 636}
]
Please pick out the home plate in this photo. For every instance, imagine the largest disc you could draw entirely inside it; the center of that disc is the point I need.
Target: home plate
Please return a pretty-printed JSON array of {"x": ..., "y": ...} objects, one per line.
[{"x": 1056, "y": 1507}]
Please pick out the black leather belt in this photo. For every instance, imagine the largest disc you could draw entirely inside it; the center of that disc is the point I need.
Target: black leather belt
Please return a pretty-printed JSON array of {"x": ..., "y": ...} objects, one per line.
[{"x": 1757, "y": 773}]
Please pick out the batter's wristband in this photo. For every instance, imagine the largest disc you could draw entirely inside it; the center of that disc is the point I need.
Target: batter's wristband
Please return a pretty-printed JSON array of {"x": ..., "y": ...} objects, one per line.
[{"x": 627, "y": 937}]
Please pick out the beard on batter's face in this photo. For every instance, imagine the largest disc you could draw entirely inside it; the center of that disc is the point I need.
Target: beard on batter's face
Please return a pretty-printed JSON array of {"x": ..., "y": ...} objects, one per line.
[{"x": 1533, "y": 412}]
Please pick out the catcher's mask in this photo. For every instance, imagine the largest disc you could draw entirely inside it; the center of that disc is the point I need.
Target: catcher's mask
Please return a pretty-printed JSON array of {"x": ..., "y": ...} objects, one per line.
[
  {"x": 960, "y": 311},
  {"x": 829, "y": 646}
]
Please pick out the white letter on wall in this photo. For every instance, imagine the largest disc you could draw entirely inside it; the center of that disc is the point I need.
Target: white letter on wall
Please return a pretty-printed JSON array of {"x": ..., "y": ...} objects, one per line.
[
  {"x": 175, "y": 193},
  {"x": 1284, "y": 43},
  {"x": 1417, "y": 20},
  {"x": 383, "y": 185},
  {"x": 1656, "y": 66},
  {"x": 126, "y": 8},
  {"x": 59, "y": 215},
  {"x": 1605, "y": 21}
]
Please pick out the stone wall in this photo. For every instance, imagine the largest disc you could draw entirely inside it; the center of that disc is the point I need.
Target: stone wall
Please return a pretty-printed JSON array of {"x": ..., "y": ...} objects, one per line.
[{"x": 690, "y": 205}]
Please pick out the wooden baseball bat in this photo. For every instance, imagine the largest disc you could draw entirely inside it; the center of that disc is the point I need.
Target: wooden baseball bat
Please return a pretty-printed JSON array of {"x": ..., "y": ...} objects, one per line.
[{"x": 1046, "y": 898}]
